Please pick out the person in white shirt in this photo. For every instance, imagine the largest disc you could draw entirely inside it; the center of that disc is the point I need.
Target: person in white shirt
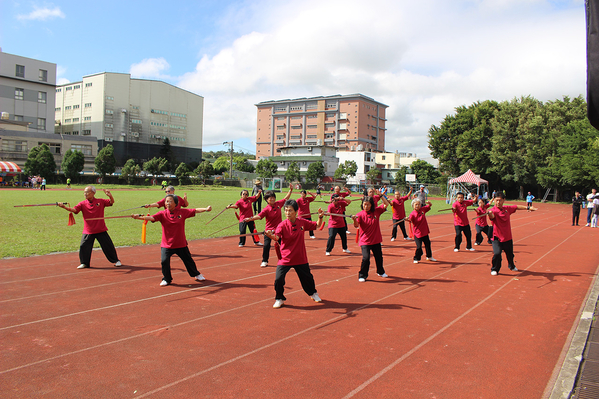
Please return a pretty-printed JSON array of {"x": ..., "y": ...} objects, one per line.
[{"x": 590, "y": 205}]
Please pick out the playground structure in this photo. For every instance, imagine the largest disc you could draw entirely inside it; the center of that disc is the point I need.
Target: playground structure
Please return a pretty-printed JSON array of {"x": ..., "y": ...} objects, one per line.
[{"x": 465, "y": 184}]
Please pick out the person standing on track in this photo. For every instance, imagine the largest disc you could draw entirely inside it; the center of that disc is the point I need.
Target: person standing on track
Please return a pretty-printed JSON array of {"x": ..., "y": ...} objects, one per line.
[
  {"x": 461, "y": 223},
  {"x": 174, "y": 241},
  {"x": 421, "y": 230},
  {"x": 304, "y": 207},
  {"x": 421, "y": 195},
  {"x": 370, "y": 236},
  {"x": 244, "y": 204},
  {"x": 170, "y": 190},
  {"x": 337, "y": 224},
  {"x": 290, "y": 233},
  {"x": 576, "y": 204},
  {"x": 502, "y": 232},
  {"x": 529, "y": 199},
  {"x": 272, "y": 213},
  {"x": 93, "y": 230},
  {"x": 337, "y": 191},
  {"x": 481, "y": 223},
  {"x": 590, "y": 206},
  {"x": 399, "y": 214}
]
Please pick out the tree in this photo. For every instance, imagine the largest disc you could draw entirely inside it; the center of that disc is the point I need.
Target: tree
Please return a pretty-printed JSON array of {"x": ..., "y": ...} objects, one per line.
[
  {"x": 166, "y": 152},
  {"x": 155, "y": 166},
  {"x": 130, "y": 169},
  {"x": 373, "y": 174},
  {"x": 222, "y": 164},
  {"x": 266, "y": 168},
  {"x": 182, "y": 173},
  {"x": 425, "y": 172},
  {"x": 400, "y": 175},
  {"x": 241, "y": 164},
  {"x": 72, "y": 163},
  {"x": 40, "y": 161},
  {"x": 346, "y": 169},
  {"x": 204, "y": 170},
  {"x": 293, "y": 172},
  {"x": 105, "y": 161},
  {"x": 315, "y": 172}
]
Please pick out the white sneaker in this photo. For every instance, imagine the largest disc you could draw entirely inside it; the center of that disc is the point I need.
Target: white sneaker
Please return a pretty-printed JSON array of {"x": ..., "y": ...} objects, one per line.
[
  {"x": 431, "y": 259},
  {"x": 408, "y": 239},
  {"x": 82, "y": 266},
  {"x": 347, "y": 251},
  {"x": 259, "y": 244},
  {"x": 455, "y": 250},
  {"x": 240, "y": 245},
  {"x": 278, "y": 303},
  {"x": 164, "y": 283},
  {"x": 348, "y": 232},
  {"x": 393, "y": 239},
  {"x": 118, "y": 264},
  {"x": 361, "y": 279},
  {"x": 493, "y": 273},
  {"x": 587, "y": 225},
  {"x": 384, "y": 275},
  {"x": 199, "y": 277},
  {"x": 471, "y": 249},
  {"x": 263, "y": 264},
  {"x": 476, "y": 243},
  {"x": 312, "y": 237},
  {"x": 416, "y": 261},
  {"x": 315, "y": 297},
  {"x": 327, "y": 253}
]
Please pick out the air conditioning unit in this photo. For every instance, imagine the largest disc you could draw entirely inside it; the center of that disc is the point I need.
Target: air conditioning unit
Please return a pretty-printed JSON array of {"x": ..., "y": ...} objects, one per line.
[{"x": 309, "y": 148}]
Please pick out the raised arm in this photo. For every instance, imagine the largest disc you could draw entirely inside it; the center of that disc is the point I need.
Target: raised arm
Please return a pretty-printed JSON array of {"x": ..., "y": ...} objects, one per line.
[
  {"x": 185, "y": 203},
  {"x": 289, "y": 193},
  {"x": 109, "y": 195}
]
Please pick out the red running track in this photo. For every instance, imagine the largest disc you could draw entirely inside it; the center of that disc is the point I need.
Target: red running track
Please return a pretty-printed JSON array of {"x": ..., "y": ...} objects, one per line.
[{"x": 432, "y": 330}]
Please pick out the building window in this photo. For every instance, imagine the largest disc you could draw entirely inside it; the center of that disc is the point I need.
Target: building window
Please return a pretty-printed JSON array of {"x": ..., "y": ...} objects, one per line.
[
  {"x": 88, "y": 105},
  {"x": 75, "y": 120},
  {"x": 14, "y": 145},
  {"x": 76, "y": 106},
  {"x": 280, "y": 108},
  {"x": 43, "y": 76},
  {"x": 135, "y": 107},
  {"x": 87, "y": 132},
  {"x": 68, "y": 107},
  {"x": 157, "y": 111},
  {"x": 58, "y": 90},
  {"x": 20, "y": 71},
  {"x": 87, "y": 118},
  {"x": 41, "y": 97},
  {"x": 85, "y": 149},
  {"x": 138, "y": 121},
  {"x": 109, "y": 98},
  {"x": 75, "y": 132},
  {"x": 77, "y": 87},
  {"x": 68, "y": 88},
  {"x": 110, "y": 125},
  {"x": 19, "y": 94},
  {"x": 67, "y": 120},
  {"x": 296, "y": 108},
  {"x": 54, "y": 147},
  {"x": 19, "y": 118},
  {"x": 311, "y": 126},
  {"x": 179, "y": 115},
  {"x": 109, "y": 112},
  {"x": 57, "y": 109},
  {"x": 88, "y": 85},
  {"x": 41, "y": 123}
]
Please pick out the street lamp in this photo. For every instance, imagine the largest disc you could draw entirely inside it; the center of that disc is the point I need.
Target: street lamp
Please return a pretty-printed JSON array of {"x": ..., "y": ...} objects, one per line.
[{"x": 231, "y": 163}]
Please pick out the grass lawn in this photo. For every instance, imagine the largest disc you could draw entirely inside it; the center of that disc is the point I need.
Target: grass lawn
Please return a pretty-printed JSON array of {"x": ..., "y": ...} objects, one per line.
[{"x": 43, "y": 229}]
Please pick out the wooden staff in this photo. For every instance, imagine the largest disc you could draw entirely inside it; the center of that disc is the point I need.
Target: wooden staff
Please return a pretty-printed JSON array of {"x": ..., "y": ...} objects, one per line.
[
  {"x": 111, "y": 217},
  {"x": 225, "y": 228},
  {"x": 338, "y": 214},
  {"x": 218, "y": 214},
  {"x": 129, "y": 209},
  {"x": 52, "y": 204},
  {"x": 443, "y": 210}
]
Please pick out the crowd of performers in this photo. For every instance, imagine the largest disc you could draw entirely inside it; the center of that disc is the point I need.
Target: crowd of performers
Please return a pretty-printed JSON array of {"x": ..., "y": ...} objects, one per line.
[{"x": 288, "y": 235}]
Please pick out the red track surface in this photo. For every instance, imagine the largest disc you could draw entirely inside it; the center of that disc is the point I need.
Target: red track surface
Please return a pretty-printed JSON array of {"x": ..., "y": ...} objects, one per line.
[{"x": 432, "y": 330}]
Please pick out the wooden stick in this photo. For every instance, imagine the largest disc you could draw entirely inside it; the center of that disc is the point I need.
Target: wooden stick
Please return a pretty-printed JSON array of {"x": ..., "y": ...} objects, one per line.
[
  {"x": 128, "y": 209},
  {"x": 338, "y": 214},
  {"x": 218, "y": 214},
  {"x": 225, "y": 228},
  {"x": 52, "y": 204},
  {"x": 110, "y": 217}
]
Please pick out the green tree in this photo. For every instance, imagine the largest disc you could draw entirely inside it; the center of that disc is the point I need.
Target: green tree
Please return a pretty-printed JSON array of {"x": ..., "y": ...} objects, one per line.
[
  {"x": 204, "y": 170},
  {"x": 182, "y": 172},
  {"x": 222, "y": 164},
  {"x": 155, "y": 166},
  {"x": 425, "y": 172},
  {"x": 241, "y": 164},
  {"x": 266, "y": 168},
  {"x": 400, "y": 175},
  {"x": 315, "y": 172},
  {"x": 72, "y": 163},
  {"x": 166, "y": 152},
  {"x": 346, "y": 169},
  {"x": 373, "y": 175},
  {"x": 105, "y": 161},
  {"x": 293, "y": 172},
  {"x": 130, "y": 170},
  {"x": 40, "y": 161}
]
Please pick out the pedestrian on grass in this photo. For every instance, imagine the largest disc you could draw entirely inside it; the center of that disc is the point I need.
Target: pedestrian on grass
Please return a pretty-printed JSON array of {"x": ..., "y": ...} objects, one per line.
[
  {"x": 290, "y": 234},
  {"x": 576, "y": 204},
  {"x": 93, "y": 208},
  {"x": 68, "y": 182},
  {"x": 174, "y": 242},
  {"x": 502, "y": 232},
  {"x": 367, "y": 221},
  {"x": 481, "y": 223},
  {"x": 244, "y": 204},
  {"x": 170, "y": 190},
  {"x": 399, "y": 214},
  {"x": 461, "y": 222},
  {"x": 257, "y": 192},
  {"x": 421, "y": 230},
  {"x": 337, "y": 224},
  {"x": 304, "y": 207}
]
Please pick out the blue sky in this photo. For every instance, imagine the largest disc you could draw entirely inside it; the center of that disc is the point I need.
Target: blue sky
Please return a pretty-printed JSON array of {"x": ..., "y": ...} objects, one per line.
[{"x": 422, "y": 59}]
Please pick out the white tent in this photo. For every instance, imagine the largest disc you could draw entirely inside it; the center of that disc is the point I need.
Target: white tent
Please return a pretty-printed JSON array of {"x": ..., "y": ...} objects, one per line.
[{"x": 465, "y": 184}]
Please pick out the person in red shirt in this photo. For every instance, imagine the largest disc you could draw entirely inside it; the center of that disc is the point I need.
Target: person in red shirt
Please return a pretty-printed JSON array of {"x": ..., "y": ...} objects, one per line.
[
  {"x": 502, "y": 232},
  {"x": 272, "y": 213},
  {"x": 174, "y": 241},
  {"x": 181, "y": 201},
  {"x": 461, "y": 223},
  {"x": 399, "y": 214},
  {"x": 375, "y": 194},
  {"x": 337, "y": 191},
  {"x": 337, "y": 224},
  {"x": 304, "y": 207},
  {"x": 93, "y": 230},
  {"x": 370, "y": 236},
  {"x": 290, "y": 233},
  {"x": 245, "y": 211},
  {"x": 421, "y": 231},
  {"x": 481, "y": 223}
]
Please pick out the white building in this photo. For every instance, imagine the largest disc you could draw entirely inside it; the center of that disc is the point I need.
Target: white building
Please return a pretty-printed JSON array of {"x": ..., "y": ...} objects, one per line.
[
  {"x": 304, "y": 156},
  {"x": 365, "y": 161},
  {"x": 134, "y": 115}
]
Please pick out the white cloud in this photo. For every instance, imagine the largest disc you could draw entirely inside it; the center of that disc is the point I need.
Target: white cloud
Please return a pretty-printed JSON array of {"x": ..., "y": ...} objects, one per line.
[
  {"x": 150, "y": 68},
  {"x": 422, "y": 59},
  {"x": 42, "y": 14}
]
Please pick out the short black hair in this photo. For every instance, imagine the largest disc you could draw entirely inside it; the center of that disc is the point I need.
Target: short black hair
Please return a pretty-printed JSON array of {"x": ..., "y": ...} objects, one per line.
[
  {"x": 174, "y": 197},
  {"x": 500, "y": 195},
  {"x": 268, "y": 194},
  {"x": 292, "y": 203},
  {"x": 459, "y": 192}
]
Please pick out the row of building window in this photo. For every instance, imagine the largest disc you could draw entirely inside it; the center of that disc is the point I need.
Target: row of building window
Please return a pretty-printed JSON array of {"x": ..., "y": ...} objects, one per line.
[
  {"x": 159, "y": 137},
  {"x": 20, "y": 73},
  {"x": 158, "y": 111}
]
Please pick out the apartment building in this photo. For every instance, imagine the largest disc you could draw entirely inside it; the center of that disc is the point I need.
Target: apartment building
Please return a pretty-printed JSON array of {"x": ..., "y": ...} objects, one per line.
[
  {"x": 349, "y": 122},
  {"x": 134, "y": 115},
  {"x": 306, "y": 155}
]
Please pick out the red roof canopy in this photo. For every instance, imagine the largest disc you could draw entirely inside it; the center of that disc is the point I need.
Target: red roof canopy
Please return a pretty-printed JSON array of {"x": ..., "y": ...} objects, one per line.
[
  {"x": 9, "y": 167},
  {"x": 469, "y": 177}
]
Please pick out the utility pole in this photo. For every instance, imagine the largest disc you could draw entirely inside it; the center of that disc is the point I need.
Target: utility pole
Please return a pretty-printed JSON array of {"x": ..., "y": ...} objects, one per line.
[{"x": 231, "y": 153}]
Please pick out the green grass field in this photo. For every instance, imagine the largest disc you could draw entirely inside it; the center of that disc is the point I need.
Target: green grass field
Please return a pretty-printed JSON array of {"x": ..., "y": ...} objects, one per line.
[{"x": 43, "y": 229}]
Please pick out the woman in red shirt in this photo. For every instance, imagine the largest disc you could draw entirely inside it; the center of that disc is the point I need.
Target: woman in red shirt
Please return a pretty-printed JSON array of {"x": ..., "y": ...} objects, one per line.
[
  {"x": 399, "y": 214},
  {"x": 421, "y": 231},
  {"x": 304, "y": 207},
  {"x": 481, "y": 223},
  {"x": 337, "y": 224},
  {"x": 370, "y": 236},
  {"x": 245, "y": 211}
]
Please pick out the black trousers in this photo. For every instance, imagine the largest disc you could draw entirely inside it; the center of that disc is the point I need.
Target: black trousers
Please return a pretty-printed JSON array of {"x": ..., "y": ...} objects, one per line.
[
  {"x": 402, "y": 226},
  {"x": 257, "y": 206},
  {"x": 377, "y": 252},
  {"x": 427, "y": 245},
  {"x": 575, "y": 216},
  {"x": 303, "y": 273},
  {"x": 488, "y": 230},
  {"x": 458, "y": 236},
  {"x": 184, "y": 255},
  {"x": 310, "y": 219},
  {"x": 266, "y": 249},
  {"x": 242, "y": 230},
  {"x": 498, "y": 247},
  {"x": 87, "y": 245},
  {"x": 333, "y": 231}
]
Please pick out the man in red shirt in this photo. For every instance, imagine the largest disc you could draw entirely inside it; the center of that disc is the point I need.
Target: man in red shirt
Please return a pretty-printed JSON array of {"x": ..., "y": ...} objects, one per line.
[
  {"x": 461, "y": 223},
  {"x": 337, "y": 224},
  {"x": 181, "y": 201},
  {"x": 421, "y": 230},
  {"x": 337, "y": 191},
  {"x": 245, "y": 211},
  {"x": 502, "y": 232},
  {"x": 303, "y": 203},
  {"x": 92, "y": 208},
  {"x": 399, "y": 214},
  {"x": 290, "y": 233},
  {"x": 174, "y": 241}
]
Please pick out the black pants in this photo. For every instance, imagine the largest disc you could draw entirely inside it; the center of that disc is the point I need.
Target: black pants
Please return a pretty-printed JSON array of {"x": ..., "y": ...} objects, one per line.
[
  {"x": 427, "y": 245},
  {"x": 377, "y": 252},
  {"x": 87, "y": 244},
  {"x": 333, "y": 231},
  {"x": 458, "y": 236},
  {"x": 575, "y": 216},
  {"x": 303, "y": 273},
  {"x": 508, "y": 248},
  {"x": 488, "y": 230},
  {"x": 266, "y": 249},
  {"x": 257, "y": 206},
  {"x": 310, "y": 219},
  {"x": 402, "y": 226},
  {"x": 242, "y": 230},
  {"x": 184, "y": 255}
]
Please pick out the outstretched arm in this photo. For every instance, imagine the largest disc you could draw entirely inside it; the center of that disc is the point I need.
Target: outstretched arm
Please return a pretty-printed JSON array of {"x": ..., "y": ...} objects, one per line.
[
  {"x": 63, "y": 205},
  {"x": 142, "y": 217},
  {"x": 200, "y": 210}
]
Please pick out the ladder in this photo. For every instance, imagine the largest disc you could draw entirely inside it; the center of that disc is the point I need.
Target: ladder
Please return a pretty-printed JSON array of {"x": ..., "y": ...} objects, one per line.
[{"x": 548, "y": 193}]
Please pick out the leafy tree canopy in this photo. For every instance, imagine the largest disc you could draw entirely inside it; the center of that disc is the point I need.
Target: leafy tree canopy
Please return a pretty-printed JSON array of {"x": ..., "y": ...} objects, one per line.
[
  {"x": 40, "y": 161},
  {"x": 72, "y": 163},
  {"x": 315, "y": 172},
  {"x": 266, "y": 168},
  {"x": 293, "y": 172}
]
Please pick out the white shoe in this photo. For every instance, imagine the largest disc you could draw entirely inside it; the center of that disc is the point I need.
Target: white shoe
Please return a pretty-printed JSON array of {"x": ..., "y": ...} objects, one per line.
[
  {"x": 384, "y": 275},
  {"x": 493, "y": 273},
  {"x": 408, "y": 239},
  {"x": 118, "y": 264},
  {"x": 312, "y": 237},
  {"x": 431, "y": 259},
  {"x": 348, "y": 232},
  {"x": 315, "y": 297},
  {"x": 361, "y": 279},
  {"x": 82, "y": 266},
  {"x": 199, "y": 277},
  {"x": 416, "y": 261},
  {"x": 470, "y": 249},
  {"x": 263, "y": 264},
  {"x": 327, "y": 253},
  {"x": 240, "y": 245},
  {"x": 455, "y": 250},
  {"x": 476, "y": 243},
  {"x": 347, "y": 251},
  {"x": 278, "y": 303},
  {"x": 164, "y": 283},
  {"x": 586, "y": 225},
  {"x": 259, "y": 244},
  {"x": 393, "y": 239}
]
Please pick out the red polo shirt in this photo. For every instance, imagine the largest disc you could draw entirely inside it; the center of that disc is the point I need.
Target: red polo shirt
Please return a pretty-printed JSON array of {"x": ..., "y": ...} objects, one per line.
[
  {"x": 161, "y": 203},
  {"x": 293, "y": 247},
  {"x": 482, "y": 220},
  {"x": 399, "y": 211},
  {"x": 339, "y": 208},
  {"x": 370, "y": 229},
  {"x": 418, "y": 219},
  {"x": 245, "y": 207},
  {"x": 272, "y": 214},
  {"x": 502, "y": 227},
  {"x": 93, "y": 209},
  {"x": 173, "y": 226},
  {"x": 304, "y": 206},
  {"x": 460, "y": 217}
]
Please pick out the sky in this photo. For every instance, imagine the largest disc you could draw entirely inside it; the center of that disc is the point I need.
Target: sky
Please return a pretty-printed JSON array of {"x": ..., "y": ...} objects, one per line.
[{"x": 420, "y": 58}]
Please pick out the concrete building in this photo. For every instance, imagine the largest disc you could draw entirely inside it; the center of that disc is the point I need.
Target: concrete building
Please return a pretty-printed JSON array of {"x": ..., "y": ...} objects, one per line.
[
  {"x": 365, "y": 160},
  {"x": 349, "y": 122},
  {"x": 27, "y": 91},
  {"x": 304, "y": 156},
  {"x": 134, "y": 115}
]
